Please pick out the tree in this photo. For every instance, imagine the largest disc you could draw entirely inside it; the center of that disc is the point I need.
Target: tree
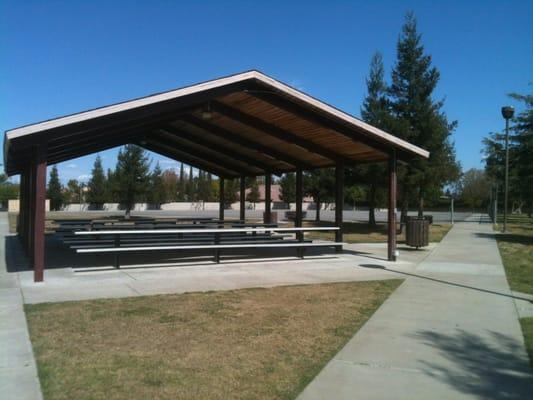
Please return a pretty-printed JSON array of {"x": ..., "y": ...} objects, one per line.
[
  {"x": 287, "y": 185},
  {"x": 170, "y": 181},
  {"x": 72, "y": 192},
  {"x": 420, "y": 120},
  {"x": 474, "y": 189},
  {"x": 8, "y": 190},
  {"x": 376, "y": 111},
  {"x": 158, "y": 191},
  {"x": 55, "y": 190},
  {"x": 231, "y": 187},
  {"x": 354, "y": 193},
  {"x": 204, "y": 187},
  {"x": 131, "y": 176},
  {"x": 96, "y": 193},
  {"x": 182, "y": 186},
  {"x": 253, "y": 195},
  {"x": 190, "y": 190},
  {"x": 523, "y": 162},
  {"x": 520, "y": 157},
  {"x": 320, "y": 185}
]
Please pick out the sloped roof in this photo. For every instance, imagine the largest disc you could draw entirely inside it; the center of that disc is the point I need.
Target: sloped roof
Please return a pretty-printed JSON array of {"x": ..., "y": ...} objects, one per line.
[{"x": 243, "y": 124}]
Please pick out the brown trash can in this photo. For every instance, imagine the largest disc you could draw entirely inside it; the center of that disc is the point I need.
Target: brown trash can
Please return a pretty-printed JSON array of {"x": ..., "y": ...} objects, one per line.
[
  {"x": 273, "y": 218},
  {"x": 417, "y": 232}
]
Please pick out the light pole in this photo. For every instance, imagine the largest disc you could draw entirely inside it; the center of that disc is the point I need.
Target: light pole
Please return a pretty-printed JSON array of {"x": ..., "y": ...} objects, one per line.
[{"x": 507, "y": 113}]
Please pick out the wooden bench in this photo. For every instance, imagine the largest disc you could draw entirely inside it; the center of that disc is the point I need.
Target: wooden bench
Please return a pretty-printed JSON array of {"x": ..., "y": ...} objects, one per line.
[{"x": 217, "y": 242}]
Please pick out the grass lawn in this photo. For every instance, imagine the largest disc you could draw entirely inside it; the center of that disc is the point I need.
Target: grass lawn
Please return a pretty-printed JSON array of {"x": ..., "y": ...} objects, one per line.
[
  {"x": 516, "y": 249},
  {"x": 359, "y": 232},
  {"x": 242, "y": 344},
  {"x": 527, "y": 329}
]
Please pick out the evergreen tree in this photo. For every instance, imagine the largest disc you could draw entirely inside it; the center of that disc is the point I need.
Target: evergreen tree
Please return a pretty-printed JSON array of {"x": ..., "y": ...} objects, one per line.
[
  {"x": 170, "y": 181},
  {"x": 190, "y": 189},
  {"x": 73, "y": 191},
  {"x": 8, "y": 190},
  {"x": 55, "y": 190},
  {"x": 210, "y": 188},
  {"x": 158, "y": 192},
  {"x": 320, "y": 185},
  {"x": 287, "y": 185},
  {"x": 375, "y": 111},
  {"x": 131, "y": 176},
  {"x": 182, "y": 185},
  {"x": 231, "y": 188},
  {"x": 420, "y": 120},
  {"x": 253, "y": 196},
  {"x": 96, "y": 194},
  {"x": 523, "y": 161},
  {"x": 110, "y": 187}
]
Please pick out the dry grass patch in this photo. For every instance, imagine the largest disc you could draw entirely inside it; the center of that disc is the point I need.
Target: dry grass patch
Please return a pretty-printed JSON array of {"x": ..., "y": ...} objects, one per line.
[
  {"x": 242, "y": 344},
  {"x": 359, "y": 232}
]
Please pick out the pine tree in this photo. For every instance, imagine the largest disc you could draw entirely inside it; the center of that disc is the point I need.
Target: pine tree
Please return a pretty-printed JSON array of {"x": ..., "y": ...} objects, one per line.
[
  {"x": 171, "y": 182},
  {"x": 190, "y": 189},
  {"x": 131, "y": 176},
  {"x": 523, "y": 162},
  {"x": 182, "y": 185},
  {"x": 420, "y": 120},
  {"x": 375, "y": 111},
  {"x": 96, "y": 194},
  {"x": 320, "y": 185},
  {"x": 55, "y": 190},
  {"x": 73, "y": 191},
  {"x": 158, "y": 193}
]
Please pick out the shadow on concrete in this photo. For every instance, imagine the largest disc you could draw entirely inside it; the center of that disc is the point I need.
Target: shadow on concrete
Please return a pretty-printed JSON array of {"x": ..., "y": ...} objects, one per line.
[
  {"x": 508, "y": 237},
  {"x": 492, "y": 367},
  {"x": 377, "y": 266}
]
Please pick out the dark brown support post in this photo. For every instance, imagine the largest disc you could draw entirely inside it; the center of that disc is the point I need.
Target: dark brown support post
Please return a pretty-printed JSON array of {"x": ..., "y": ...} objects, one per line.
[
  {"x": 39, "y": 215},
  {"x": 22, "y": 206},
  {"x": 31, "y": 210},
  {"x": 242, "y": 199},
  {"x": 339, "y": 203},
  {"x": 268, "y": 198},
  {"x": 298, "y": 216},
  {"x": 221, "y": 198},
  {"x": 391, "y": 246}
]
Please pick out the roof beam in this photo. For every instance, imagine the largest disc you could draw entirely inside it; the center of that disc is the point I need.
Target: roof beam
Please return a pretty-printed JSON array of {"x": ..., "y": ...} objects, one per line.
[
  {"x": 317, "y": 118},
  {"x": 226, "y": 163},
  {"x": 243, "y": 141},
  {"x": 221, "y": 148},
  {"x": 177, "y": 155},
  {"x": 277, "y": 132}
]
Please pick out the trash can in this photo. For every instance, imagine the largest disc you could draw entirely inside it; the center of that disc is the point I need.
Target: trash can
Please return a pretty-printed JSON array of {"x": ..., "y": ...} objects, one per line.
[
  {"x": 417, "y": 232},
  {"x": 273, "y": 218}
]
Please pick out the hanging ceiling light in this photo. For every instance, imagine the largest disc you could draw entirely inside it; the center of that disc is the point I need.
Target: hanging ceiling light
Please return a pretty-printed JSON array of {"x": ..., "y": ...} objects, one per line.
[{"x": 206, "y": 112}]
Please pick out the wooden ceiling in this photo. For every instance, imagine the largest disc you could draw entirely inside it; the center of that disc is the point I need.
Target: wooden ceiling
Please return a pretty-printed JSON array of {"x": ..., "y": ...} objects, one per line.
[{"x": 254, "y": 125}]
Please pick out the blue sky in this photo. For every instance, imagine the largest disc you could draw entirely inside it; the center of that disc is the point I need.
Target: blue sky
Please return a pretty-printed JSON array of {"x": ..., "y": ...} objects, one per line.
[{"x": 60, "y": 57}]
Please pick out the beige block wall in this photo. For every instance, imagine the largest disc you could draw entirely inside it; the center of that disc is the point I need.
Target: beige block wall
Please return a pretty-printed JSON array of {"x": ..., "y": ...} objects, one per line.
[{"x": 14, "y": 205}]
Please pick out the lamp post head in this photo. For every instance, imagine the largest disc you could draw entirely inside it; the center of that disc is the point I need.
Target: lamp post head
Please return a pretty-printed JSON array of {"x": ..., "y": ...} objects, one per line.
[{"x": 507, "y": 112}]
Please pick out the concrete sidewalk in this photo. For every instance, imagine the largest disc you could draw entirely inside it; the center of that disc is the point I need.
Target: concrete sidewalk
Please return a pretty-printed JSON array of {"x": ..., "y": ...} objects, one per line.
[
  {"x": 18, "y": 373},
  {"x": 450, "y": 331}
]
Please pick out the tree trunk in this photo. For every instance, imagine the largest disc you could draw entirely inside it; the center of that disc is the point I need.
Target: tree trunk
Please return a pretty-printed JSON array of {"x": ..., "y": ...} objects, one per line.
[
  {"x": 372, "y": 206},
  {"x": 420, "y": 203},
  {"x": 128, "y": 213}
]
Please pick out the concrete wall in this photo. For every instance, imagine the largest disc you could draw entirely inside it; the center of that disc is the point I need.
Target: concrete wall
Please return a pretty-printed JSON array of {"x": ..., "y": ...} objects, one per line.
[
  {"x": 196, "y": 206},
  {"x": 14, "y": 205}
]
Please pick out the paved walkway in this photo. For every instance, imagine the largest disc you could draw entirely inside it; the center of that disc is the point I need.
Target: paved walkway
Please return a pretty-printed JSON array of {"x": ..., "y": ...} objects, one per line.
[
  {"x": 18, "y": 373},
  {"x": 450, "y": 331}
]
